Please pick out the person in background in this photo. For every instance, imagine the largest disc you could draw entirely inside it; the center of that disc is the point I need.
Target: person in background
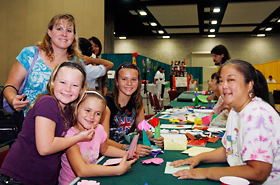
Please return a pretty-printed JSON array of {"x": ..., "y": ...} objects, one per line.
[
  {"x": 214, "y": 87},
  {"x": 125, "y": 109},
  {"x": 162, "y": 83},
  {"x": 220, "y": 54},
  {"x": 157, "y": 81},
  {"x": 270, "y": 80},
  {"x": 93, "y": 71},
  {"x": 34, "y": 158},
  {"x": 251, "y": 143},
  {"x": 102, "y": 83},
  {"x": 79, "y": 160}
]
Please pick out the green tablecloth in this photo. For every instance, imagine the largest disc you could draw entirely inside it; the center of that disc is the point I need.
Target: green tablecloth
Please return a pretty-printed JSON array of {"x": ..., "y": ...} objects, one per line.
[{"x": 154, "y": 174}]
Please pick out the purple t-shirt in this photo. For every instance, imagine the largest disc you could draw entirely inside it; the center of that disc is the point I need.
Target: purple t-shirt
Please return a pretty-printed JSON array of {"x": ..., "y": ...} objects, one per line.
[
  {"x": 89, "y": 151},
  {"x": 23, "y": 161}
]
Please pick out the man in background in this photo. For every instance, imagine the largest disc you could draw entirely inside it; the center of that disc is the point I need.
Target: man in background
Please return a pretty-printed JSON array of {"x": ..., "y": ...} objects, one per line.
[
  {"x": 270, "y": 80},
  {"x": 220, "y": 54}
]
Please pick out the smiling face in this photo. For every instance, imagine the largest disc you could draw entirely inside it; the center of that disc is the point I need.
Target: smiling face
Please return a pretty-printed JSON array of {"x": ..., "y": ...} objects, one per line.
[
  {"x": 233, "y": 89},
  {"x": 89, "y": 113},
  {"x": 95, "y": 48},
  {"x": 67, "y": 85},
  {"x": 62, "y": 35},
  {"x": 127, "y": 81},
  {"x": 217, "y": 59}
]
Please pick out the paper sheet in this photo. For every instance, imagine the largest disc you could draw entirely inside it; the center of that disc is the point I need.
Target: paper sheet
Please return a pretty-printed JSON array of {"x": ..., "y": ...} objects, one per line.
[
  {"x": 170, "y": 169},
  {"x": 175, "y": 126},
  {"x": 193, "y": 151}
]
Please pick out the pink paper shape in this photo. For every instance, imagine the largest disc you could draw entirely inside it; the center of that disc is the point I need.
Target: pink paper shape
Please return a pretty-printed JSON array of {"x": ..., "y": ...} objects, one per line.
[
  {"x": 132, "y": 147},
  {"x": 182, "y": 117},
  {"x": 153, "y": 160},
  {"x": 144, "y": 125},
  {"x": 112, "y": 161},
  {"x": 206, "y": 119},
  {"x": 88, "y": 182}
]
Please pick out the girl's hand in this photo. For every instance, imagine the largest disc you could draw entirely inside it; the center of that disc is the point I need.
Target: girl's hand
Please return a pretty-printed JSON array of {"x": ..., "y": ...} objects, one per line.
[
  {"x": 193, "y": 161},
  {"x": 143, "y": 150},
  {"x": 159, "y": 141},
  {"x": 17, "y": 104},
  {"x": 87, "y": 135},
  {"x": 125, "y": 165},
  {"x": 198, "y": 173},
  {"x": 136, "y": 155}
]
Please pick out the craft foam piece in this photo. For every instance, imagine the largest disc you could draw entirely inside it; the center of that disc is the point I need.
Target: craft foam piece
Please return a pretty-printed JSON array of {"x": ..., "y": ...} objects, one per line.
[
  {"x": 213, "y": 116},
  {"x": 157, "y": 131},
  {"x": 112, "y": 161},
  {"x": 182, "y": 117},
  {"x": 211, "y": 105},
  {"x": 153, "y": 160},
  {"x": 197, "y": 121},
  {"x": 144, "y": 125},
  {"x": 154, "y": 122},
  {"x": 88, "y": 182},
  {"x": 206, "y": 119},
  {"x": 196, "y": 101},
  {"x": 132, "y": 147},
  {"x": 146, "y": 140}
]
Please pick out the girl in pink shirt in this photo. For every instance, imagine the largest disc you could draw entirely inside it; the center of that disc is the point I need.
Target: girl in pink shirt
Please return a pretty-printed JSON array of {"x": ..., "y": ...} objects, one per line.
[{"x": 81, "y": 157}]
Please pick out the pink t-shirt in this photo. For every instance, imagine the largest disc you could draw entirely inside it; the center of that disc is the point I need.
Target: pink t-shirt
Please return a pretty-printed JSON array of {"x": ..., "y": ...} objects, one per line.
[{"x": 89, "y": 152}]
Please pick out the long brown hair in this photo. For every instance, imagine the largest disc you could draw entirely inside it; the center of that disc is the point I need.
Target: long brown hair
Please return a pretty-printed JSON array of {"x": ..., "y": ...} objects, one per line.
[
  {"x": 136, "y": 96},
  {"x": 45, "y": 45},
  {"x": 50, "y": 87}
]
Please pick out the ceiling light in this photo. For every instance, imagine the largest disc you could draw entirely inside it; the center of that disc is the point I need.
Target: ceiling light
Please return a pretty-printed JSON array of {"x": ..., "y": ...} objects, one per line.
[
  {"x": 260, "y": 35},
  {"x": 278, "y": 20},
  {"x": 165, "y": 37},
  {"x": 274, "y": 19},
  {"x": 114, "y": 33},
  {"x": 122, "y": 38},
  {"x": 154, "y": 31},
  {"x": 214, "y": 22},
  {"x": 216, "y": 10},
  {"x": 205, "y": 30},
  {"x": 133, "y": 12},
  {"x": 211, "y": 35},
  {"x": 268, "y": 29},
  {"x": 153, "y": 24},
  {"x": 142, "y": 12},
  {"x": 262, "y": 29},
  {"x": 160, "y": 32},
  {"x": 206, "y": 21},
  {"x": 207, "y": 9},
  {"x": 146, "y": 24},
  {"x": 212, "y": 30}
]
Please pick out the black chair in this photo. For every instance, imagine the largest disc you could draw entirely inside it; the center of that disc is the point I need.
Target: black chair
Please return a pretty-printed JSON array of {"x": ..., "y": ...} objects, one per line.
[
  {"x": 172, "y": 94},
  {"x": 276, "y": 96},
  {"x": 158, "y": 108}
]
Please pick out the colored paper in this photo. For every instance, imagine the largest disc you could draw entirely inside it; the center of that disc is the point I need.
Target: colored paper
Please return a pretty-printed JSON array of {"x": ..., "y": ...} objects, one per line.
[
  {"x": 88, "y": 182},
  {"x": 170, "y": 169},
  {"x": 112, "y": 161},
  {"x": 196, "y": 101},
  {"x": 206, "y": 120},
  {"x": 197, "y": 121},
  {"x": 144, "y": 125},
  {"x": 154, "y": 122},
  {"x": 203, "y": 98},
  {"x": 157, "y": 131},
  {"x": 175, "y": 142},
  {"x": 213, "y": 117},
  {"x": 182, "y": 117},
  {"x": 195, "y": 150},
  {"x": 153, "y": 160},
  {"x": 133, "y": 146},
  {"x": 146, "y": 140}
]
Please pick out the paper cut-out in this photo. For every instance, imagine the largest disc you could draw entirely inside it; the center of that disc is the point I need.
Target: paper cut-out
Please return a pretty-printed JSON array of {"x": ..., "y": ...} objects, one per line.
[
  {"x": 196, "y": 101},
  {"x": 112, "y": 161},
  {"x": 206, "y": 119},
  {"x": 155, "y": 153},
  {"x": 193, "y": 151},
  {"x": 132, "y": 147},
  {"x": 146, "y": 140},
  {"x": 170, "y": 169},
  {"x": 197, "y": 121},
  {"x": 153, "y": 160},
  {"x": 182, "y": 117},
  {"x": 144, "y": 125},
  {"x": 88, "y": 182}
]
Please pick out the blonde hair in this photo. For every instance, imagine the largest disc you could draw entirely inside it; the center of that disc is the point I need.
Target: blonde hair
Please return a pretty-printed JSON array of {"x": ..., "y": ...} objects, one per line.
[
  {"x": 89, "y": 93},
  {"x": 50, "y": 87},
  {"x": 45, "y": 45}
]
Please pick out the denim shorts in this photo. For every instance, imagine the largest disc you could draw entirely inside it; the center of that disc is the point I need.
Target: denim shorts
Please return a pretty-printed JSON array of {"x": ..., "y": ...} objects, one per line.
[{"x": 4, "y": 180}]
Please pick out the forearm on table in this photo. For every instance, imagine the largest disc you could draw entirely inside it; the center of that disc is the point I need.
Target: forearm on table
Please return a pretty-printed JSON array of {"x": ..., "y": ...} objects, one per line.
[{"x": 215, "y": 156}]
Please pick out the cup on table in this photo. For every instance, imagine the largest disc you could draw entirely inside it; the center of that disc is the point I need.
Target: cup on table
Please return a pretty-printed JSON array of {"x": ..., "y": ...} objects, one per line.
[{"x": 231, "y": 180}]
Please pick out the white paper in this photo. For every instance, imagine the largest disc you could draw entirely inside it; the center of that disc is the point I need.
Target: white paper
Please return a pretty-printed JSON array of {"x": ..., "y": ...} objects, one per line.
[{"x": 195, "y": 150}]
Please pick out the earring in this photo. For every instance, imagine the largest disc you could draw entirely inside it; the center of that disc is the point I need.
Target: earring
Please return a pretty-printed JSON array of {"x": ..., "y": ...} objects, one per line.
[{"x": 250, "y": 94}]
